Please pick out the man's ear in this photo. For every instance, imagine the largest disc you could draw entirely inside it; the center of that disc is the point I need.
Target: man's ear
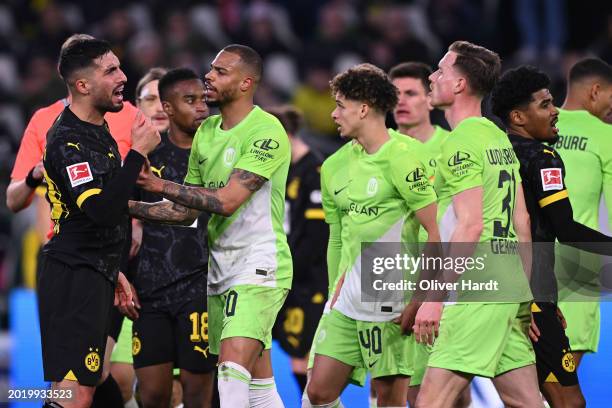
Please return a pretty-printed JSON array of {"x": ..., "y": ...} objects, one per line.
[
  {"x": 246, "y": 84},
  {"x": 460, "y": 85},
  {"x": 517, "y": 117},
  {"x": 594, "y": 91},
  {"x": 82, "y": 86},
  {"x": 167, "y": 108},
  {"x": 363, "y": 111}
]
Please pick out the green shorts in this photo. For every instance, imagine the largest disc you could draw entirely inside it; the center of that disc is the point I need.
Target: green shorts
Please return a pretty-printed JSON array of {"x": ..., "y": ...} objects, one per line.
[
  {"x": 378, "y": 347},
  {"x": 420, "y": 357},
  {"x": 122, "y": 353},
  {"x": 358, "y": 376},
  {"x": 485, "y": 339},
  {"x": 244, "y": 311},
  {"x": 583, "y": 325}
]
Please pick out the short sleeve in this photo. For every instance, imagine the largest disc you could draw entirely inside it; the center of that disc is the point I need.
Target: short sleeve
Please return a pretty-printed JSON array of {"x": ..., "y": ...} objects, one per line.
[
  {"x": 30, "y": 150},
  {"x": 80, "y": 172},
  {"x": 194, "y": 175},
  {"x": 460, "y": 165},
  {"x": 265, "y": 151},
  {"x": 410, "y": 178},
  {"x": 547, "y": 178},
  {"x": 329, "y": 205}
]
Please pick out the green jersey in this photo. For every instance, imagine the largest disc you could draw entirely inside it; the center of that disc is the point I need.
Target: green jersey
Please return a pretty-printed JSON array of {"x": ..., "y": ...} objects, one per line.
[
  {"x": 478, "y": 154},
  {"x": 250, "y": 246},
  {"x": 585, "y": 145},
  {"x": 384, "y": 191}
]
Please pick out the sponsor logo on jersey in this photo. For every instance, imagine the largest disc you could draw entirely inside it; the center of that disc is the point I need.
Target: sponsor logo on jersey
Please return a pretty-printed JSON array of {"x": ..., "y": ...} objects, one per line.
[
  {"x": 79, "y": 173},
  {"x": 266, "y": 144},
  {"x": 458, "y": 158},
  {"x": 363, "y": 209},
  {"x": 158, "y": 171},
  {"x": 92, "y": 360},
  {"x": 415, "y": 175},
  {"x": 552, "y": 179}
]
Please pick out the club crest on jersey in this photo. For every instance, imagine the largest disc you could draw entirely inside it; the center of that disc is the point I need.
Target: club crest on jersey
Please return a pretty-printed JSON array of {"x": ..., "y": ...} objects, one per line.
[
  {"x": 552, "y": 179},
  {"x": 229, "y": 156},
  {"x": 79, "y": 173},
  {"x": 372, "y": 187}
]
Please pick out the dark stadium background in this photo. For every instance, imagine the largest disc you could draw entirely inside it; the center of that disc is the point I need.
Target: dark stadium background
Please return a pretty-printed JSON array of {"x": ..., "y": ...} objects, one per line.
[{"x": 303, "y": 42}]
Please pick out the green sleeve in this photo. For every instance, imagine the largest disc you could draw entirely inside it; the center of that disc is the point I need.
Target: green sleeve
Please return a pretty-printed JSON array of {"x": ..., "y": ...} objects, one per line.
[
  {"x": 460, "y": 165},
  {"x": 334, "y": 251},
  {"x": 193, "y": 168},
  {"x": 329, "y": 205},
  {"x": 265, "y": 151},
  {"x": 410, "y": 177}
]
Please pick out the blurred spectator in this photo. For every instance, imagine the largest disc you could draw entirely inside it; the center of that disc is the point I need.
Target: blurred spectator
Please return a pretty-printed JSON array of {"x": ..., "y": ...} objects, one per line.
[
  {"x": 314, "y": 99},
  {"x": 603, "y": 47},
  {"x": 541, "y": 28},
  {"x": 41, "y": 85}
]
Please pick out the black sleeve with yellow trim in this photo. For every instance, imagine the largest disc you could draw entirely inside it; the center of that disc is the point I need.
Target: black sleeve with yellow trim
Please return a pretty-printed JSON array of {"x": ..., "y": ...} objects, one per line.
[{"x": 106, "y": 206}]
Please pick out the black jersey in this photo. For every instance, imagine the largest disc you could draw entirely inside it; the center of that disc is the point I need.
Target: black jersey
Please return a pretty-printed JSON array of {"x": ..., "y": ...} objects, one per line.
[
  {"x": 80, "y": 159},
  {"x": 307, "y": 232},
  {"x": 543, "y": 175},
  {"x": 173, "y": 260}
]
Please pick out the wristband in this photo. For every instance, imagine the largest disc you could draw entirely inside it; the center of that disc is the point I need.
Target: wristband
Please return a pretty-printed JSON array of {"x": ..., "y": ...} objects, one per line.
[{"x": 31, "y": 181}]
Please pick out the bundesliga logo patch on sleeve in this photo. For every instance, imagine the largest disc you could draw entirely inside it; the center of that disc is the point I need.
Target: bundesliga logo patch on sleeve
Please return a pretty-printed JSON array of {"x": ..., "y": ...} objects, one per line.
[
  {"x": 552, "y": 179},
  {"x": 79, "y": 173}
]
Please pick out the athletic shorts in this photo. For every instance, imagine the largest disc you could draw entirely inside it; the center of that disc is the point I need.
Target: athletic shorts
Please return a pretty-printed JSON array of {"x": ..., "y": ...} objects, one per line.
[
  {"x": 297, "y": 322},
  {"x": 116, "y": 319},
  {"x": 583, "y": 325},
  {"x": 378, "y": 347},
  {"x": 244, "y": 311},
  {"x": 122, "y": 353},
  {"x": 177, "y": 334},
  {"x": 74, "y": 306},
  {"x": 420, "y": 357},
  {"x": 358, "y": 376},
  {"x": 485, "y": 339},
  {"x": 554, "y": 358}
]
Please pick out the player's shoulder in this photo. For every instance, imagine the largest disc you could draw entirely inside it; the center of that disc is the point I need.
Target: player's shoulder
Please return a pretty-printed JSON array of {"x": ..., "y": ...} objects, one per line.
[
  {"x": 264, "y": 123},
  {"x": 339, "y": 157}
]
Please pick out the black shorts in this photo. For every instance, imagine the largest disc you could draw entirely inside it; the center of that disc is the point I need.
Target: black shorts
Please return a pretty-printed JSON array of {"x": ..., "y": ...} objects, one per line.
[
  {"x": 554, "y": 359},
  {"x": 74, "y": 307},
  {"x": 177, "y": 334},
  {"x": 297, "y": 322},
  {"x": 115, "y": 323}
]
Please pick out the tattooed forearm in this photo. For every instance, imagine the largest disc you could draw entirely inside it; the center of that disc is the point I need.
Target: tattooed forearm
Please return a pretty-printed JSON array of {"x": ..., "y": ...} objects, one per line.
[
  {"x": 165, "y": 212},
  {"x": 203, "y": 199},
  {"x": 251, "y": 181}
]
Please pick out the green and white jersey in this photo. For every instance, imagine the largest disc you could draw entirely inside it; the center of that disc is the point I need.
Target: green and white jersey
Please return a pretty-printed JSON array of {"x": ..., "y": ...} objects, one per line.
[
  {"x": 250, "y": 247},
  {"x": 585, "y": 145},
  {"x": 385, "y": 190},
  {"x": 335, "y": 179},
  {"x": 478, "y": 154}
]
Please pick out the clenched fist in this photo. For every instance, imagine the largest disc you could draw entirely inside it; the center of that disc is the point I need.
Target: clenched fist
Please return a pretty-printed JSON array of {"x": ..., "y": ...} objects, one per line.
[{"x": 144, "y": 135}]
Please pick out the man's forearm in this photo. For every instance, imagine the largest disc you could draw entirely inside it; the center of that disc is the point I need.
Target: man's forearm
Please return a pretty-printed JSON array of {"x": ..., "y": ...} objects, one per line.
[
  {"x": 199, "y": 198},
  {"x": 165, "y": 212},
  {"x": 18, "y": 195}
]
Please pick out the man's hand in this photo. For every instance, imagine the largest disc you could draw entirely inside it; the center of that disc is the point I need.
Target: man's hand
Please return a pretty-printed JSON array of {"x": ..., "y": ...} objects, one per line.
[
  {"x": 147, "y": 180},
  {"x": 407, "y": 318},
  {"x": 39, "y": 171},
  {"x": 124, "y": 299},
  {"x": 144, "y": 135},
  {"x": 136, "y": 238},
  {"x": 534, "y": 332},
  {"x": 427, "y": 322}
]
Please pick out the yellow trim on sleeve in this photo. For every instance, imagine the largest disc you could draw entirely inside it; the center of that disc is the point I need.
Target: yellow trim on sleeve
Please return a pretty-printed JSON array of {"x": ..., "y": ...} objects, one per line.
[
  {"x": 535, "y": 308},
  {"x": 86, "y": 194},
  {"x": 70, "y": 376},
  {"x": 552, "y": 198},
  {"x": 314, "y": 214}
]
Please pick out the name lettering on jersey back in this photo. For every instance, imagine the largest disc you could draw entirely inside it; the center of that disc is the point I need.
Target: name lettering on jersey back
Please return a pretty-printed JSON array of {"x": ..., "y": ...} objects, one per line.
[
  {"x": 572, "y": 143},
  {"x": 362, "y": 209},
  {"x": 501, "y": 157}
]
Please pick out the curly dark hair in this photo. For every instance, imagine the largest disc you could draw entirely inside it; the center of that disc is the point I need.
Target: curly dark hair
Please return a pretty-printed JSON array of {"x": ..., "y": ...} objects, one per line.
[
  {"x": 368, "y": 84},
  {"x": 515, "y": 90},
  {"x": 480, "y": 65}
]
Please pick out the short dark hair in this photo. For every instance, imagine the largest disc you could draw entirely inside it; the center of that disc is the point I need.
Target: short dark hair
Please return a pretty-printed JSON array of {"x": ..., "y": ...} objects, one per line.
[
  {"x": 515, "y": 89},
  {"x": 366, "y": 83},
  {"x": 480, "y": 65},
  {"x": 417, "y": 70},
  {"x": 590, "y": 68},
  {"x": 173, "y": 77},
  {"x": 153, "y": 74},
  {"x": 78, "y": 54},
  {"x": 289, "y": 116},
  {"x": 249, "y": 57}
]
